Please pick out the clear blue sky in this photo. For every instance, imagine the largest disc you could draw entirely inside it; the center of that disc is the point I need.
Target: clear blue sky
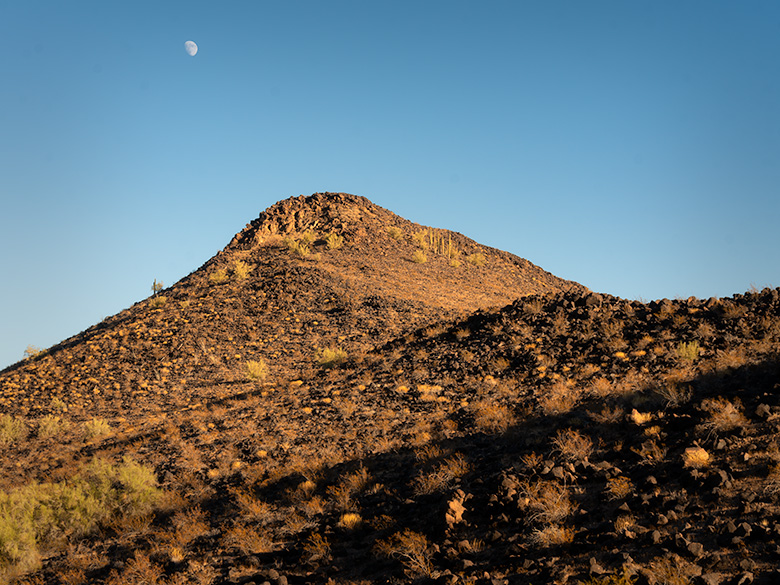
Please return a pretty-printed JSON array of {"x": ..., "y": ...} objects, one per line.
[{"x": 631, "y": 146}]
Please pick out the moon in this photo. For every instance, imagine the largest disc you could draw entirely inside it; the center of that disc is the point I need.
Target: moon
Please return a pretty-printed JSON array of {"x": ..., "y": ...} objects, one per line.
[{"x": 191, "y": 48}]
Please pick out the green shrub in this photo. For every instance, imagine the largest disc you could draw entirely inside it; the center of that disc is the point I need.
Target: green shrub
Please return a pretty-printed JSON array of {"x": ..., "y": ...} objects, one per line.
[
  {"x": 45, "y": 516},
  {"x": 688, "y": 351},
  {"x": 12, "y": 429},
  {"x": 329, "y": 357}
]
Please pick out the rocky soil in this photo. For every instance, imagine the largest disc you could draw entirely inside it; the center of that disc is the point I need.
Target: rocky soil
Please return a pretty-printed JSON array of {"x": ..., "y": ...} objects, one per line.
[{"x": 474, "y": 420}]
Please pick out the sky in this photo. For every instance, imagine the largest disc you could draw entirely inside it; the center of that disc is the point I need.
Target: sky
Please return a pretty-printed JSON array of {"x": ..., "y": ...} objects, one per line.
[{"x": 633, "y": 147}]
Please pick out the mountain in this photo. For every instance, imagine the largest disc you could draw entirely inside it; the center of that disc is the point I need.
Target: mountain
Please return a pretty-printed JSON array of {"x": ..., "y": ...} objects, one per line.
[
  {"x": 328, "y": 271},
  {"x": 485, "y": 423}
]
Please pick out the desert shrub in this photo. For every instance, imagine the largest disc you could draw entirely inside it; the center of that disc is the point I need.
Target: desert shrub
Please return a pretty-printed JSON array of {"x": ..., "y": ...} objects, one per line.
[
  {"x": 688, "y": 350},
  {"x": 308, "y": 237},
  {"x": 256, "y": 370},
  {"x": 43, "y": 516},
  {"x": 334, "y": 241},
  {"x": 419, "y": 257},
  {"x": 619, "y": 487},
  {"x": 547, "y": 501},
  {"x": 51, "y": 425},
  {"x": 219, "y": 276},
  {"x": 241, "y": 269},
  {"x": 300, "y": 249},
  {"x": 96, "y": 428},
  {"x": 12, "y": 429},
  {"x": 672, "y": 570},
  {"x": 158, "y": 301},
  {"x": 476, "y": 259},
  {"x": 724, "y": 415},
  {"x": 248, "y": 540},
  {"x": 421, "y": 239},
  {"x": 316, "y": 547},
  {"x": 157, "y": 286},
  {"x": 350, "y": 520},
  {"x": 394, "y": 233},
  {"x": 551, "y": 536},
  {"x": 32, "y": 351},
  {"x": 491, "y": 417},
  {"x": 772, "y": 483},
  {"x": 330, "y": 357},
  {"x": 651, "y": 452},
  {"x": 442, "y": 477},
  {"x": 573, "y": 446},
  {"x": 411, "y": 548},
  {"x": 560, "y": 398}
]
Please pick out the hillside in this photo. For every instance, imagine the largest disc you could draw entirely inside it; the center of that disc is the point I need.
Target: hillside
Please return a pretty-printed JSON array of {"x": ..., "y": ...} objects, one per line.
[
  {"x": 280, "y": 292},
  {"x": 471, "y": 435}
]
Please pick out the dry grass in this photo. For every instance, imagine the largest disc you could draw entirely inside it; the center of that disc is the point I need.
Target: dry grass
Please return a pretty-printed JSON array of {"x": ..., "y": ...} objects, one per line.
[
  {"x": 490, "y": 417},
  {"x": 256, "y": 370},
  {"x": 560, "y": 398},
  {"x": 248, "y": 540},
  {"x": 573, "y": 446},
  {"x": 552, "y": 535},
  {"x": 12, "y": 429},
  {"x": 334, "y": 241},
  {"x": 442, "y": 477},
  {"x": 412, "y": 549},
  {"x": 724, "y": 415},
  {"x": 619, "y": 487},
  {"x": 671, "y": 571},
  {"x": 330, "y": 357},
  {"x": 241, "y": 269},
  {"x": 419, "y": 257},
  {"x": 547, "y": 501}
]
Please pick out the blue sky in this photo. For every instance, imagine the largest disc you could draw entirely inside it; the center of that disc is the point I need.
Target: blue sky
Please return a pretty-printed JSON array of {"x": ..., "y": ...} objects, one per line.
[{"x": 631, "y": 146}]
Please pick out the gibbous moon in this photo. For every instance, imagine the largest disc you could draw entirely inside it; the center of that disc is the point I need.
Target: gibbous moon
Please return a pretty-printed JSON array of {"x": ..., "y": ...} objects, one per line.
[{"x": 191, "y": 48}]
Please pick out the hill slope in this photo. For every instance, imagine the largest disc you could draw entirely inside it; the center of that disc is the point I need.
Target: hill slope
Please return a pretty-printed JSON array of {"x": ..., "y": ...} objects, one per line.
[
  {"x": 279, "y": 292},
  {"x": 566, "y": 437}
]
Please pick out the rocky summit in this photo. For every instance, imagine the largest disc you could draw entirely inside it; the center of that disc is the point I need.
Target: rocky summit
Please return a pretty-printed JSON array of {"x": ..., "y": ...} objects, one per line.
[{"x": 344, "y": 397}]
